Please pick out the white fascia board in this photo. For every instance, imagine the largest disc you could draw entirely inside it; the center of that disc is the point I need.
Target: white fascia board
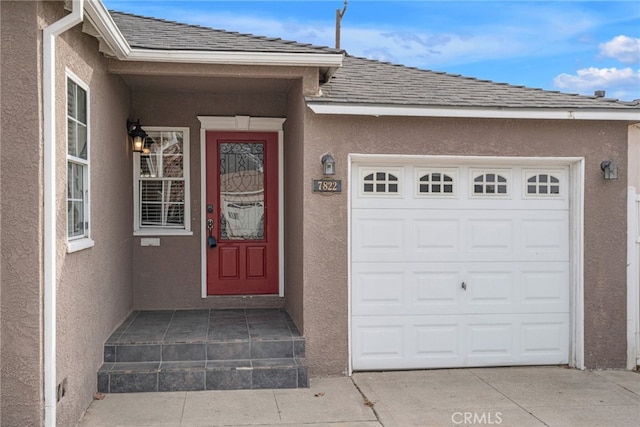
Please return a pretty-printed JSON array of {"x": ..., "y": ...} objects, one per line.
[
  {"x": 103, "y": 23},
  {"x": 484, "y": 113},
  {"x": 241, "y": 123},
  {"x": 235, "y": 58},
  {"x": 108, "y": 30}
]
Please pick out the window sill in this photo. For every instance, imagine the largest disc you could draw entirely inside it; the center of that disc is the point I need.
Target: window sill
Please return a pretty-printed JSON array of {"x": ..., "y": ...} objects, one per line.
[
  {"x": 79, "y": 244},
  {"x": 162, "y": 232}
]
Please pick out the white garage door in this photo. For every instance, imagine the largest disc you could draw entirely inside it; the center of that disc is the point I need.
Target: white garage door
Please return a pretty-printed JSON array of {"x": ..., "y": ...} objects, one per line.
[{"x": 459, "y": 266}]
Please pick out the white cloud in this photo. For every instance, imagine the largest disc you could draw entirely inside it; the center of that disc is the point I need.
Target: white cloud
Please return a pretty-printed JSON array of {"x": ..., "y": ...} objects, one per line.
[
  {"x": 512, "y": 30},
  {"x": 430, "y": 50},
  {"x": 541, "y": 31},
  {"x": 413, "y": 47},
  {"x": 624, "y": 49},
  {"x": 622, "y": 83}
]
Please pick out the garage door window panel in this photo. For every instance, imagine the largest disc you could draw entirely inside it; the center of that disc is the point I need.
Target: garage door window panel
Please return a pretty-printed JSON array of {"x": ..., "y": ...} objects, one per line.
[
  {"x": 491, "y": 183},
  {"x": 436, "y": 183},
  {"x": 543, "y": 184},
  {"x": 385, "y": 182}
]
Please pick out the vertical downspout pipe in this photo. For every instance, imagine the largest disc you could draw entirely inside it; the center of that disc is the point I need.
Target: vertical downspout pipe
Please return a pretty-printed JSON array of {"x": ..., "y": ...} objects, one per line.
[{"x": 49, "y": 35}]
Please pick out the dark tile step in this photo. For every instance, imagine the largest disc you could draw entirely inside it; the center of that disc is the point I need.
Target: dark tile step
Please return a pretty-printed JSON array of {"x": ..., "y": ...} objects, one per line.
[
  {"x": 204, "y": 325},
  {"x": 239, "y": 374},
  {"x": 216, "y": 350}
]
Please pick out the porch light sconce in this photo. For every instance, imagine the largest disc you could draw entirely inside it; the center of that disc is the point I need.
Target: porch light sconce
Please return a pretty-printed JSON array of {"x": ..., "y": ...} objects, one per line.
[
  {"x": 610, "y": 169},
  {"x": 328, "y": 165},
  {"x": 138, "y": 136}
]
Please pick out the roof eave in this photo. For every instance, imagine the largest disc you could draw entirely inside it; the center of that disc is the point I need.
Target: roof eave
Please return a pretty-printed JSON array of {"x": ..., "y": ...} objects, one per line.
[
  {"x": 107, "y": 29},
  {"x": 474, "y": 112},
  {"x": 118, "y": 46}
]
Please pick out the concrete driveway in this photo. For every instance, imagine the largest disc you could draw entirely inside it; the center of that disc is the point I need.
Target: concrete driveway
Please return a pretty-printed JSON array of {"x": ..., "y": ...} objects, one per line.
[{"x": 522, "y": 397}]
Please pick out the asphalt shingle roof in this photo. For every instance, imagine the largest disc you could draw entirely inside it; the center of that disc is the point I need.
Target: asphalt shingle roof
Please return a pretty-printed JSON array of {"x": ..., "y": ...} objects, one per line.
[
  {"x": 152, "y": 33},
  {"x": 364, "y": 81},
  {"x": 359, "y": 80}
]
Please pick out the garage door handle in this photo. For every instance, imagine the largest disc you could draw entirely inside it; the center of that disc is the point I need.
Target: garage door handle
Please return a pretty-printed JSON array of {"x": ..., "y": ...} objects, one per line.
[{"x": 464, "y": 286}]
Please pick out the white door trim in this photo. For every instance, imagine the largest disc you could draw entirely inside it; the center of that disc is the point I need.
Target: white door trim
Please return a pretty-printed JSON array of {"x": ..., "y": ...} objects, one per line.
[
  {"x": 576, "y": 225},
  {"x": 239, "y": 124},
  {"x": 633, "y": 279}
]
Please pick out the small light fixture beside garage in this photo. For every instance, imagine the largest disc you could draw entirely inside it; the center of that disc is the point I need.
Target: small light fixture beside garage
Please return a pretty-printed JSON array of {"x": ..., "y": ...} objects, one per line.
[
  {"x": 610, "y": 169},
  {"x": 328, "y": 184},
  {"x": 328, "y": 164}
]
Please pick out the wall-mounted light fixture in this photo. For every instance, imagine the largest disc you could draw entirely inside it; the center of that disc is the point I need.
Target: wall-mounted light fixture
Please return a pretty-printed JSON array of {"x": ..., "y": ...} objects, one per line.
[
  {"x": 610, "y": 169},
  {"x": 137, "y": 134},
  {"x": 328, "y": 165}
]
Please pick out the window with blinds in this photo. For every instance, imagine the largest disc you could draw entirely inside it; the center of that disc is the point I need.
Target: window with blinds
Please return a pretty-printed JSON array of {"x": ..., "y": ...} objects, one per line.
[{"x": 161, "y": 181}]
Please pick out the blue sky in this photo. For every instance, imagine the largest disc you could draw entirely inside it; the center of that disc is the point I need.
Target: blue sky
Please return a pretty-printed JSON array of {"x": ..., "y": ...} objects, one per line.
[{"x": 570, "y": 46}]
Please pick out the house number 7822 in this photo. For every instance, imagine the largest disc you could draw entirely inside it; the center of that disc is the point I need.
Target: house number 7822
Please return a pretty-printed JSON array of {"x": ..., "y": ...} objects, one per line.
[{"x": 327, "y": 186}]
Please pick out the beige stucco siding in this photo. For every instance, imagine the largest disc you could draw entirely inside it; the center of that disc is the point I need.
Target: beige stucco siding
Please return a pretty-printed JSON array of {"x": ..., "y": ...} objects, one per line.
[
  {"x": 325, "y": 227},
  {"x": 94, "y": 285},
  {"x": 294, "y": 188},
  {"x": 21, "y": 220}
]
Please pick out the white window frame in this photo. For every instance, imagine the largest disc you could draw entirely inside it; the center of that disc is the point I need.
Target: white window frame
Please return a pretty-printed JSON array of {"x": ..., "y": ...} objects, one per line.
[
  {"x": 451, "y": 172},
  {"x": 138, "y": 229},
  {"x": 504, "y": 173},
  {"x": 559, "y": 174},
  {"x": 397, "y": 172},
  {"x": 77, "y": 243}
]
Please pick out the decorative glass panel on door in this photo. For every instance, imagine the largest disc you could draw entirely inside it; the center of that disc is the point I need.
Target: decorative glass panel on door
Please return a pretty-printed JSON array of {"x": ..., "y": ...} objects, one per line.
[{"x": 242, "y": 191}]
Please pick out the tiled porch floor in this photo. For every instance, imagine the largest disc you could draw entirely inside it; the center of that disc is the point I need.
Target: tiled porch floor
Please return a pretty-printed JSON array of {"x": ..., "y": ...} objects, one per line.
[
  {"x": 176, "y": 350},
  {"x": 208, "y": 325}
]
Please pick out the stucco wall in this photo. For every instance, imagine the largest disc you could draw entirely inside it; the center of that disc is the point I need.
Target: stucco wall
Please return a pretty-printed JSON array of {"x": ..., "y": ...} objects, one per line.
[
  {"x": 94, "y": 285},
  {"x": 294, "y": 185},
  {"x": 20, "y": 205},
  {"x": 325, "y": 227},
  {"x": 168, "y": 276}
]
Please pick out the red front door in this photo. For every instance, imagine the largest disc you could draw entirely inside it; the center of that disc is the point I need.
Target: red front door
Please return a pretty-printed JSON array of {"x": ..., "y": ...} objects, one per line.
[{"x": 242, "y": 213}]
